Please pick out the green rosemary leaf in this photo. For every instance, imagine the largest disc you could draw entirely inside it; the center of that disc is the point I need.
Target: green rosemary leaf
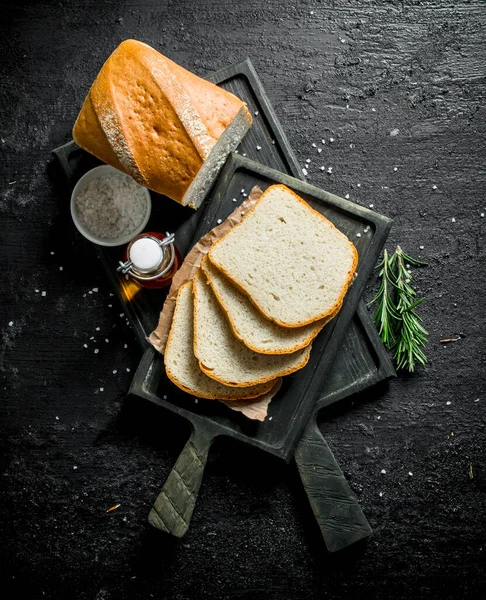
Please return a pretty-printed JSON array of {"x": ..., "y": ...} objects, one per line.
[
  {"x": 411, "y": 335},
  {"x": 396, "y": 319},
  {"x": 386, "y": 316}
]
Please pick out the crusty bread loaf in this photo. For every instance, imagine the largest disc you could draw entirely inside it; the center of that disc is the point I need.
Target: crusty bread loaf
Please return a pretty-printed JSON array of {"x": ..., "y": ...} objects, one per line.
[
  {"x": 167, "y": 128},
  {"x": 182, "y": 366},
  {"x": 288, "y": 258},
  {"x": 248, "y": 323},
  {"x": 222, "y": 356}
]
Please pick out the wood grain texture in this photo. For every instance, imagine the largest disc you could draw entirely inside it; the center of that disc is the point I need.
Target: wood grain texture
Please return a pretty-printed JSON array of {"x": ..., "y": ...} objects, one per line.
[
  {"x": 173, "y": 508},
  {"x": 338, "y": 514},
  {"x": 420, "y": 64}
]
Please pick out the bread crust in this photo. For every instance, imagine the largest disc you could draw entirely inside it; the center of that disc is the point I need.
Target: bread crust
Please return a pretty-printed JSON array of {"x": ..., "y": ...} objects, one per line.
[
  {"x": 305, "y": 341},
  {"x": 153, "y": 119},
  {"x": 231, "y": 394},
  {"x": 336, "y": 306},
  {"x": 305, "y": 355}
]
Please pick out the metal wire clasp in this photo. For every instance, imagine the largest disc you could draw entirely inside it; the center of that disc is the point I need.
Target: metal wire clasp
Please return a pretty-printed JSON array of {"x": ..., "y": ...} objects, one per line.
[{"x": 167, "y": 246}]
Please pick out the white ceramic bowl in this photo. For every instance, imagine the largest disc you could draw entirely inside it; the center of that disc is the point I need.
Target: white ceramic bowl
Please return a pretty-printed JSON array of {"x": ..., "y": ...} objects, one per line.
[{"x": 85, "y": 179}]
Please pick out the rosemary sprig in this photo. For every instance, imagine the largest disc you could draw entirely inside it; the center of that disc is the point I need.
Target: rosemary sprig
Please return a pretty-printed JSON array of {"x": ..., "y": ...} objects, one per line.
[
  {"x": 398, "y": 323},
  {"x": 386, "y": 315}
]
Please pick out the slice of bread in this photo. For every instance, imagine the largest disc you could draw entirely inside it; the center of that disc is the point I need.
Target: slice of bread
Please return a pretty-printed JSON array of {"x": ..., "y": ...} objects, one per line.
[
  {"x": 288, "y": 258},
  {"x": 248, "y": 323},
  {"x": 182, "y": 366},
  {"x": 222, "y": 356}
]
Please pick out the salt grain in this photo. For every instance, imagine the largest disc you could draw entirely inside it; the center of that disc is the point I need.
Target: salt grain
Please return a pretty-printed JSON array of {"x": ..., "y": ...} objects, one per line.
[
  {"x": 347, "y": 196},
  {"x": 453, "y": 220},
  {"x": 434, "y": 187},
  {"x": 219, "y": 221},
  {"x": 448, "y": 403},
  {"x": 395, "y": 168},
  {"x": 319, "y": 150},
  {"x": 313, "y": 145},
  {"x": 95, "y": 289},
  {"x": 97, "y": 328},
  {"x": 258, "y": 148},
  {"x": 383, "y": 472},
  {"x": 358, "y": 235},
  {"x": 482, "y": 215},
  {"x": 96, "y": 350},
  {"x": 308, "y": 160},
  {"x": 44, "y": 294},
  {"x": 410, "y": 473},
  {"x": 10, "y": 324},
  {"x": 421, "y": 247},
  {"x": 85, "y": 345},
  {"x": 304, "y": 171},
  {"x": 329, "y": 170},
  {"x": 128, "y": 370},
  {"x": 322, "y": 168},
  {"x": 371, "y": 205},
  {"x": 234, "y": 199},
  {"x": 111, "y": 206},
  {"x": 358, "y": 184},
  {"x": 61, "y": 268},
  {"x": 256, "y": 113},
  {"x": 331, "y": 140},
  {"x": 102, "y": 389},
  {"x": 114, "y": 371}
]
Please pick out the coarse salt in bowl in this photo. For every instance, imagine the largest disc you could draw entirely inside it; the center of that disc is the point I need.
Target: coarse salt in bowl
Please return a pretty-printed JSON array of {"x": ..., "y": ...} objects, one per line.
[{"x": 109, "y": 207}]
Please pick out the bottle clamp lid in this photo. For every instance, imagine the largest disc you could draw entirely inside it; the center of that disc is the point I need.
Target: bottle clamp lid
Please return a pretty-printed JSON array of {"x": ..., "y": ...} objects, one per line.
[{"x": 149, "y": 257}]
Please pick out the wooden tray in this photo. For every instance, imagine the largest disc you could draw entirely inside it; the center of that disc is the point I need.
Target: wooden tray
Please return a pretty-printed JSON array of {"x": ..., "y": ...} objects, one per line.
[{"x": 361, "y": 361}]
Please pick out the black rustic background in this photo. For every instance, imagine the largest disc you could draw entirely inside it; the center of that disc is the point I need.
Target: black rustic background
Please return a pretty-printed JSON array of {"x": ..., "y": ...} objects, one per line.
[{"x": 400, "y": 87}]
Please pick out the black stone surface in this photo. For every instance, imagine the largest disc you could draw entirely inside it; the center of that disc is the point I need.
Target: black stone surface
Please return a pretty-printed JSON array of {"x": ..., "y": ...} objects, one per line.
[{"x": 396, "y": 85}]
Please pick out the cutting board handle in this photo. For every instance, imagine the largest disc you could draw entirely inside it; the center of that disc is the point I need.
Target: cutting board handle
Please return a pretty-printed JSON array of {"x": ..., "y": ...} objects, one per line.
[
  {"x": 172, "y": 511},
  {"x": 338, "y": 514}
]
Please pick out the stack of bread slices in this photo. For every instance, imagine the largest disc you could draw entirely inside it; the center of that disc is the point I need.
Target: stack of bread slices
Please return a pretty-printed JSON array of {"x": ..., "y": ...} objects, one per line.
[{"x": 260, "y": 297}]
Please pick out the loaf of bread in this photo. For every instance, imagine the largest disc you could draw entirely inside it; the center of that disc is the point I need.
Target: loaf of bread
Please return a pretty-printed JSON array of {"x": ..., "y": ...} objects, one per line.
[
  {"x": 291, "y": 261},
  {"x": 182, "y": 366},
  {"x": 248, "y": 323},
  {"x": 222, "y": 356},
  {"x": 166, "y": 127}
]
